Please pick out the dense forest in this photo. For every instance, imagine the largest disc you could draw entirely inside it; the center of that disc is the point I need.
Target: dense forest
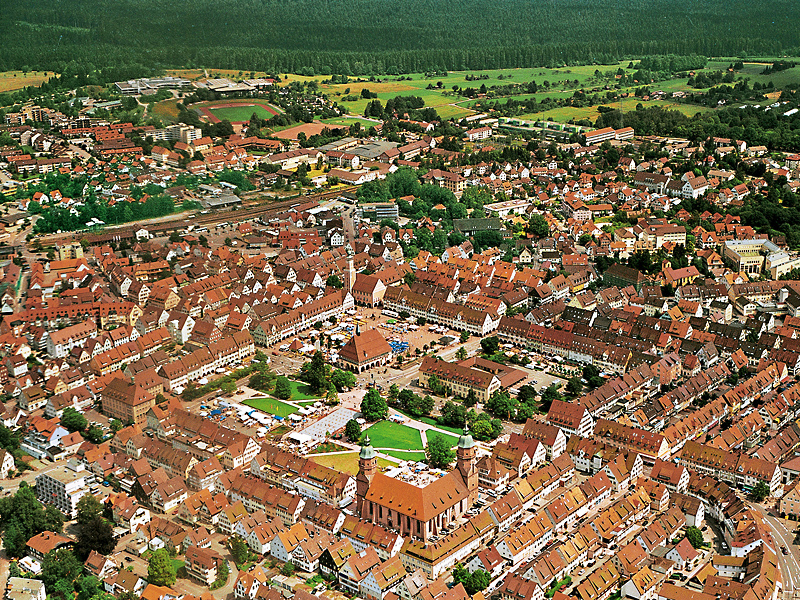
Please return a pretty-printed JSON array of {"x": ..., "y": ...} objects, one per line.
[{"x": 363, "y": 37}]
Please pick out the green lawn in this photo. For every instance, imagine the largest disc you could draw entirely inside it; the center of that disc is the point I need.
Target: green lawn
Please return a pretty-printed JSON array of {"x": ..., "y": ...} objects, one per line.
[
  {"x": 415, "y": 456},
  {"x": 271, "y": 406},
  {"x": 239, "y": 113},
  {"x": 387, "y": 434},
  {"x": 345, "y": 463},
  {"x": 301, "y": 391},
  {"x": 430, "y": 434},
  {"x": 326, "y": 447},
  {"x": 178, "y": 563},
  {"x": 433, "y": 422}
]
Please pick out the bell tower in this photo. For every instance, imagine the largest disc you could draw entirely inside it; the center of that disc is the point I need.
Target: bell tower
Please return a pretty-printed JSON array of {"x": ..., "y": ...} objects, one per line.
[
  {"x": 367, "y": 467},
  {"x": 465, "y": 463},
  {"x": 349, "y": 275}
]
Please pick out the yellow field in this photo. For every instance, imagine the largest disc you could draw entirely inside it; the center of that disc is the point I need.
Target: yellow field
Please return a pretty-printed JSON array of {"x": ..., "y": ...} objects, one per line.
[
  {"x": 15, "y": 80},
  {"x": 166, "y": 109},
  {"x": 563, "y": 114}
]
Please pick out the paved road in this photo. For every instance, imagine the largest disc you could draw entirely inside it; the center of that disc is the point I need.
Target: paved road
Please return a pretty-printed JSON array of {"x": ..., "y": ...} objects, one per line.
[{"x": 783, "y": 536}]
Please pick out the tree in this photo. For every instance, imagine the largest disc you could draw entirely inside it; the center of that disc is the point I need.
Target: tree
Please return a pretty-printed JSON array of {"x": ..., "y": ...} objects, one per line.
[
  {"x": 88, "y": 508},
  {"x": 239, "y": 550},
  {"x": 373, "y": 406},
  {"x": 352, "y": 430},
  {"x": 96, "y": 534},
  {"x": 116, "y": 424},
  {"x": 527, "y": 393},
  {"x": 464, "y": 336},
  {"x": 538, "y": 226},
  {"x": 695, "y": 536},
  {"x": 439, "y": 453},
  {"x": 501, "y": 405},
  {"x": 228, "y": 387},
  {"x": 574, "y": 386},
  {"x": 760, "y": 492},
  {"x": 342, "y": 379},
  {"x": 287, "y": 569},
  {"x": 453, "y": 415},
  {"x": 471, "y": 399},
  {"x": 315, "y": 373},
  {"x": 461, "y": 354},
  {"x": 283, "y": 388},
  {"x": 60, "y": 565},
  {"x": 490, "y": 345},
  {"x": 261, "y": 381},
  {"x": 72, "y": 420},
  {"x": 94, "y": 434},
  {"x": 160, "y": 568},
  {"x": 472, "y": 582},
  {"x": 334, "y": 282}
]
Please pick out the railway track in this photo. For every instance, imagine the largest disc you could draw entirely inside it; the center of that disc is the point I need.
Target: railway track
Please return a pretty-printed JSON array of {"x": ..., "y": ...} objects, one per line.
[{"x": 212, "y": 218}]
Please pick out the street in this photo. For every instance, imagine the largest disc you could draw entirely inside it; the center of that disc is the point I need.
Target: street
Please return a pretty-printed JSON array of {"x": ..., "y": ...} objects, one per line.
[{"x": 782, "y": 533}]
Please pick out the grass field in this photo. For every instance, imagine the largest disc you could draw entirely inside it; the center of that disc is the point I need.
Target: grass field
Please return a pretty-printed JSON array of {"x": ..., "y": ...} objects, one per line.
[
  {"x": 241, "y": 113},
  {"x": 430, "y": 434},
  {"x": 387, "y": 434},
  {"x": 326, "y": 447},
  {"x": 415, "y": 456},
  {"x": 166, "y": 109},
  {"x": 300, "y": 391},
  {"x": 271, "y": 406},
  {"x": 347, "y": 121},
  {"x": 346, "y": 463},
  {"x": 15, "y": 80},
  {"x": 563, "y": 114}
]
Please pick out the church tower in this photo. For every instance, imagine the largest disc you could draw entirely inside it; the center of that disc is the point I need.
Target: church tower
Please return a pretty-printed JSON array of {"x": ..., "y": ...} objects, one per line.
[
  {"x": 350, "y": 275},
  {"x": 367, "y": 467},
  {"x": 465, "y": 463}
]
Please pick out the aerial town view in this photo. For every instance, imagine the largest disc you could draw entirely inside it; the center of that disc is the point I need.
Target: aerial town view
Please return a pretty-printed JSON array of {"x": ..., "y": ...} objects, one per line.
[{"x": 418, "y": 300}]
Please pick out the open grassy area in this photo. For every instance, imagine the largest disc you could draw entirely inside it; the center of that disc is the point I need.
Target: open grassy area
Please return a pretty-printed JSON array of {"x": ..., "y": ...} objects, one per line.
[
  {"x": 326, "y": 447},
  {"x": 240, "y": 113},
  {"x": 166, "y": 109},
  {"x": 415, "y": 456},
  {"x": 346, "y": 463},
  {"x": 278, "y": 432},
  {"x": 387, "y": 434},
  {"x": 430, "y": 434},
  {"x": 433, "y": 422},
  {"x": 271, "y": 406},
  {"x": 347, "y": 121},
  {"x": 16, "y": 80},
  {"x": 301, "y": 391}
]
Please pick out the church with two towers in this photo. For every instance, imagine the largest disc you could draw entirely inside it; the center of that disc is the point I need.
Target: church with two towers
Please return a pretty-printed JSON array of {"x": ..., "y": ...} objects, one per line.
[{"x": 416, "y": 511}]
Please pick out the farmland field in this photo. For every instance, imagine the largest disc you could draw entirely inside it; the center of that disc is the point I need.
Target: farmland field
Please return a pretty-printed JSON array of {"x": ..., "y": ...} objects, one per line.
[
  {"x": 271, "y": 406},
  {"x": 386, "y": 434},
  {"x": 15, "y": 80}
]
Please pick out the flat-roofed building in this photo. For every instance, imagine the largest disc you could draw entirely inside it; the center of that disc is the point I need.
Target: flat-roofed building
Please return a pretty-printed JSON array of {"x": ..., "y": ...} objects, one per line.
[{"x": 63, "y": 487}]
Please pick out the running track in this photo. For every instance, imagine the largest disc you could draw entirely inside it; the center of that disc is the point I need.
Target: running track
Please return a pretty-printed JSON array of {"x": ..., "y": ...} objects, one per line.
[{"x": 214, "y": 119}]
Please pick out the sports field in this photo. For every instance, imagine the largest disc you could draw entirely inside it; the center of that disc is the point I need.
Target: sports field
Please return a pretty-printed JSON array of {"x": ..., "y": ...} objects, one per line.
[
  {"x": 387, "y": 434},
  {"x": 240, "y": 113},
  {"x": 271, "y": 406}
]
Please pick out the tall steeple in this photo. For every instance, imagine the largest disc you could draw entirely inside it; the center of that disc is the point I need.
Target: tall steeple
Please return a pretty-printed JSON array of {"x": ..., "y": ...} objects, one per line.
[
  {"x": 350, "y": 275},
  {"x": 465, "y": 463},
  {"x": 367, "y": 467}
]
